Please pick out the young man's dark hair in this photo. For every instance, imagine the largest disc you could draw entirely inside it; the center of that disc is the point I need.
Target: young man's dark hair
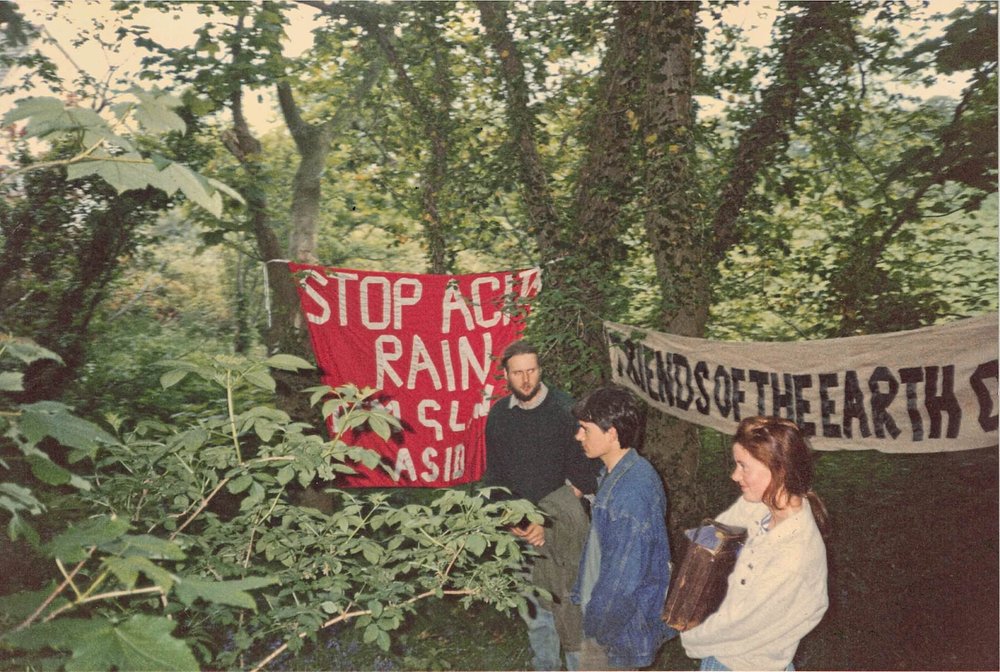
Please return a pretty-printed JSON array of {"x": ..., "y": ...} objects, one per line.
[
  {"x": 520, "y": 347},
  {"x": 615, "y": 406}
]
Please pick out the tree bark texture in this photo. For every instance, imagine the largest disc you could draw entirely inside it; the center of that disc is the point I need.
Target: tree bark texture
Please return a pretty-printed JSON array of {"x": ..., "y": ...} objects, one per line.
[
  {"x": 584, "y": 249},
  {"x": 685, "y": 247},
  {"x": 543, "y": 217},
  {"x": 286, "y": 331},
  {"x": 313, "y": 144},
  {"x": 673, "y": 208}
]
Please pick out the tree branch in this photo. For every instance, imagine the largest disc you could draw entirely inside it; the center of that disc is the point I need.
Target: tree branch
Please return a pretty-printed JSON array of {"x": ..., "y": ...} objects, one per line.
[
  {"x": 204, "y": 503},
  {"x": 55, "y": 593},
  {"x": 766, "y": 138}
]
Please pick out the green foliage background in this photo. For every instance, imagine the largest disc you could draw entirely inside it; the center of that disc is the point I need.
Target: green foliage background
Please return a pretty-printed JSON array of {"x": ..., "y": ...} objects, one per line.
[{"x": 183, "y": 517}]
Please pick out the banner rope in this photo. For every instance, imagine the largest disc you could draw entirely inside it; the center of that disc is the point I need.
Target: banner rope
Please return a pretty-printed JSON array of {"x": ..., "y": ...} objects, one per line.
[{"x": 267, "y": 286}]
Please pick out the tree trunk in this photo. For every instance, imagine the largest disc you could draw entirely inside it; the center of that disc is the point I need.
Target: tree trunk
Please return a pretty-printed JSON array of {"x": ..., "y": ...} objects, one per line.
[
  {"x": 543, "y": 217},
  {"x": 685, "y": 250},
  {"x": 433, "y": 112},
  {"x": 313, "y": 144},
  {"x": 586, "y": 249},
  {"x": 673, "y": 225},
  {"x": 286, "y": 332}
]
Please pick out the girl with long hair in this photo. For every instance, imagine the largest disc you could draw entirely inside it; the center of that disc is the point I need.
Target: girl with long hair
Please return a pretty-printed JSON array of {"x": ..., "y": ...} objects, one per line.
[{"x": 777, "y": 591}]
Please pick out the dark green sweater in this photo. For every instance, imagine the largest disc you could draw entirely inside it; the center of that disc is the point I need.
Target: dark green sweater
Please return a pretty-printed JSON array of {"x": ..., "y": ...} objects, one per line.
[{"x": 533, "y": 452}]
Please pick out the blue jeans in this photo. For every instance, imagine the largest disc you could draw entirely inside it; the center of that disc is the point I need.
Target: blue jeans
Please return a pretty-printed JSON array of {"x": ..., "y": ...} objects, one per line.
[
  {"x": 712, "y": 663},
  {"x": 544, "y": 639}
]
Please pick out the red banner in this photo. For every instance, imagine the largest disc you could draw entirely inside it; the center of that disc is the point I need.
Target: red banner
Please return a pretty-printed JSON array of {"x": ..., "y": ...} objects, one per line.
[{"x": 431, "y": 345}]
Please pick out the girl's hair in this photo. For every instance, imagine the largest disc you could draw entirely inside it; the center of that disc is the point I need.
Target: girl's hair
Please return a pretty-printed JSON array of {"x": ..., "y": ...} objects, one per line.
[{"x": 779, "y": 444}]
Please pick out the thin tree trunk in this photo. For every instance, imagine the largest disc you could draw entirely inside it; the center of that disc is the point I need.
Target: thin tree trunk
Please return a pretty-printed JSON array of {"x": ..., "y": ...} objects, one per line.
[
  {"x": 313, "y": 143},
  {"x": 285, "y": 331},
  {"x": 433, "y": 112},
  {"x": 543, "y": 218}
]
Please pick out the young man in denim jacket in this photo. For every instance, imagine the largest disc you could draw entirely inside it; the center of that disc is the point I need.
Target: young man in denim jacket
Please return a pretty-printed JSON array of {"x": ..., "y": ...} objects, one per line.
[{"x": 625, "y": 569}]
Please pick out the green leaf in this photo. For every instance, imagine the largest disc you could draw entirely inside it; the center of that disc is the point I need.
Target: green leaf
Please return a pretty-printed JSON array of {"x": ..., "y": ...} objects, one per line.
[
  {"x": 379, "y": 426},
  {"x": 476, "y": 543},
  {"x": 18, "y": 528},
  {"x": 179, "y": 177},
  {"x": 48, "y": 115},
  {"x": 171, "y": 378},
  {"x": 126, "y": 172},
  {"x": 140, "y": 644},
  {"x": 26, "y": 350},
  {"x": 47, "y": 418},
  {"x": 14, "y": 498},
  {"x": 11, "y": 381},
  {"x": 365, "y": 456},
  {"x": 372, "y": 553},
  {"x": 260, "y": 379},
  {"x": 255, "y": 497},
  {"x": 104, "y": 136},
  {"x": 155, "y": 114},
  {"x": 331, "y": 407},
  {"x": 72, "y": 545},
  {"x": 306, "y": 477},
  {"x": 239, "y": 484},
  {"x": 146, "y": 546},
  {"x": 232, "y": 593},
  {"x": 287, "y": 363},
  {"x": 16, "y": 607},
  {"x": 46, "y": 470},
  {"x": 194, "y": 438},
  {"x": 228, "y": 191},
  {"x": 285, "y": 475},
  {"x": 41, "y": 105},
  {"x": 265, "y": 430},
  {"x": 127, "y": 571},
  {"x": 317, "y": 393}
]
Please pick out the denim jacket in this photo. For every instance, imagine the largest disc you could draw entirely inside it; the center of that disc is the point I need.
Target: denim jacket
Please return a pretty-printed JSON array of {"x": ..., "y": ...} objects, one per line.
[{"x": 626, "y": 596}]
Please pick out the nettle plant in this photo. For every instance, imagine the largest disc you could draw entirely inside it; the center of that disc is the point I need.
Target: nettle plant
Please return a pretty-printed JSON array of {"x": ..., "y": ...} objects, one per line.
[{"x": 191, "y": 552}]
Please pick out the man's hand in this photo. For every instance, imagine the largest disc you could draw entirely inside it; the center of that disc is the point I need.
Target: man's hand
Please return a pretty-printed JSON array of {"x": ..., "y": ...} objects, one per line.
[{"x": 534, "y": 534}]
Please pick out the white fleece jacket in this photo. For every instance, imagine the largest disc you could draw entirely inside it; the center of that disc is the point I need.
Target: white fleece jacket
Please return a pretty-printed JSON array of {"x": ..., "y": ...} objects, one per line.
[{"x": 777, "y": 593}]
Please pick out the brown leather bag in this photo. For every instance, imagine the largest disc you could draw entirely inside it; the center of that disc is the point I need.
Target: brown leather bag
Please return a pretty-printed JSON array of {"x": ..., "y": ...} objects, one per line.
[{"x": 699, "y": 585}]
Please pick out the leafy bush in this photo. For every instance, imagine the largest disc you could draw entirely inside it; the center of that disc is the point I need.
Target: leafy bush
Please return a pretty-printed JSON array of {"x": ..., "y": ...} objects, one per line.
[{"x": 192, "y": 553}]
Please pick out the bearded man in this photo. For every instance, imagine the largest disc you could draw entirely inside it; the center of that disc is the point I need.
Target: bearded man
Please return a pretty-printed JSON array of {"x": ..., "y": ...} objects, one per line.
[{"x": 531, "y": 451}]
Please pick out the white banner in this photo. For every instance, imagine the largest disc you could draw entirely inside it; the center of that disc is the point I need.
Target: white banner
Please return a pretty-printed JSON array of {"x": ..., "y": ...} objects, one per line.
[{"x": 927, "y": 390}]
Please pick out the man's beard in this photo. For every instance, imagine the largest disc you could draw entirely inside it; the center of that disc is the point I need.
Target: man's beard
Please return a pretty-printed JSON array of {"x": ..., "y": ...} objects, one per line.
[{"x": 525, "y": 397}]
